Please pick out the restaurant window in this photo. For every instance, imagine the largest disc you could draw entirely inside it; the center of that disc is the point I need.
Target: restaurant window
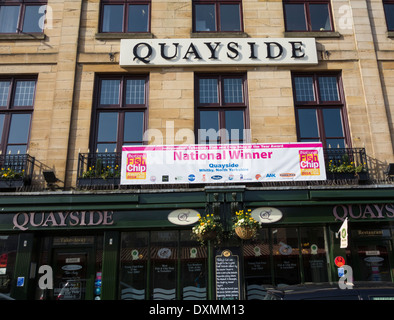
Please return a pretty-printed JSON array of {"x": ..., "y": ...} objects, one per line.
[
  {"x": 162, "y": 265},
  {"x": 257, "y": 266},
  {"x": 307, "y": 15},
  {"x": 221, "y": 107},
  {"x": 217, "y": 15},
  {"x": 8, "y": 248},
  {"x": 120, "y": 113},
  {"x": 320, "y": 109},
  {"x": 285, "y": 251},
  {"x": 133, "y": 265},
  {"x": 16, "y": 107},
  {"x": 125, "y": 16},
  {"x": 22, "y": 16},
  {"x": 314, "y": 254},
  {"x": 389, "y": 12}
]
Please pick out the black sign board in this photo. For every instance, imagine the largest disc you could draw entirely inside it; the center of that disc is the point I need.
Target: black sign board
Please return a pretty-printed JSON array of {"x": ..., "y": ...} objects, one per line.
[{"x": 227, "y": 276}]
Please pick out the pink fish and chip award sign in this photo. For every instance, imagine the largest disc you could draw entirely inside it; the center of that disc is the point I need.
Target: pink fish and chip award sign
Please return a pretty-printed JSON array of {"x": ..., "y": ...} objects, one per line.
[{"x": 221, "y": 163}]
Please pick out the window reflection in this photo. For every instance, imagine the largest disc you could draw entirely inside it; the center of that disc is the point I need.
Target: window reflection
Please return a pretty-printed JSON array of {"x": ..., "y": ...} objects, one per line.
[
  {"x": 295, "y": 17},
  {"x": 113, "y": 18},
  {"x": 286, "y": 256},
  {"x": 138, "y": 18},
  {"x": 31, "y": 22},
  {"x": 320, "y": 17},
  {"x": 314, "y": 254},
  {"x": 205, "y": 17},
  {"x": 133, "y": 265},
  {"x": 9, "y": 16},
  {"x": 230, "y": 19}
]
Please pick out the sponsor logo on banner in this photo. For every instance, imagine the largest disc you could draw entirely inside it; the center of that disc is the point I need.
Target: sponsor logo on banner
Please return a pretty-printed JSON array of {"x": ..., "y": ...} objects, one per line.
[
  {"x": 136, "y": 166},
  {"x": 212, "y": 163},
  {"x": 309, "y": 163}
]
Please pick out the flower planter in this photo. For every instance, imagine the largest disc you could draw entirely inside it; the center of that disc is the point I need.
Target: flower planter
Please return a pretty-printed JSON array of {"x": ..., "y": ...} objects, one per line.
[
  {"x": 245, "y": 233},
  {"x": 361, "y": 176},
  {"x": 210, "y": 235},
  {"x": 11, "y": 183}
]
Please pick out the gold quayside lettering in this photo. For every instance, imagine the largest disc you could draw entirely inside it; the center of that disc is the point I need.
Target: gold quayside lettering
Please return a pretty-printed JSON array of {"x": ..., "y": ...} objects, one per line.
[{"x": 24, "y": 220}]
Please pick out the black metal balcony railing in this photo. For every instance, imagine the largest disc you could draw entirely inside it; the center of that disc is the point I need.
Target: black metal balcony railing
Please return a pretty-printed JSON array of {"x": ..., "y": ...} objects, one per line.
[
  {"x": 16, "y": 170},
  {"x": 345, "y": 163},
  {"x": 99, "y": 168},
  {"x": 95, "y": 169}
]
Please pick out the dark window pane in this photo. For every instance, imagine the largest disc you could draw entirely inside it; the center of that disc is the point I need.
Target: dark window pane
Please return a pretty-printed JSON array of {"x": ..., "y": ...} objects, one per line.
[
  {"x": 109, "y": 92},
  {"x": 235, "y": 125},
  {"x": 335, "y": 143},
  {"x": 205, "y": 17},
  {"x": 138, "y": 18},
  {"x": 209, "y": 127},
  {"x": 295, "y": 17},
  {"x": 389, "y": 10},
  {"x": 19, "y": 129},
  {"x": 230, "y": 17},
  {"x": 333, "y": 122},
  {"x": 4, "y": 89},
  {"x": 209, "y": 91},
  {"x": 135, "y": 91},
  {"x": 328, "y": 89},
  {"x": 32, "y": 22},
  {"x": 24, "y": 93},
  {"x": 233, "y": 92},
  {"x": 304, "y": 89},
  {"x": 107, "y": 127},
  {"x": 133, "y": 126},
  {"x": 106, "y": 147},
  {"x": 307, "y": 122},
  {"x": 16, "y": 149},
  {"x": 9, "y": 16},
  {"x": 113, "y": 18},
  {"x": 320, "y": 17}
]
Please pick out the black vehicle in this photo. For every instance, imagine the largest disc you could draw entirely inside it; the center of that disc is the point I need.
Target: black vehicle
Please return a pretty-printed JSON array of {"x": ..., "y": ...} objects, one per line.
[{"x": 332, "y": 291}]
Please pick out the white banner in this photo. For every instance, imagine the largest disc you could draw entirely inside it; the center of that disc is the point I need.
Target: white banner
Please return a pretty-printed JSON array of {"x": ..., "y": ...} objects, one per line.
[
  {"x": 173, "y": 164},
  {"x": 217, "y": 51}
]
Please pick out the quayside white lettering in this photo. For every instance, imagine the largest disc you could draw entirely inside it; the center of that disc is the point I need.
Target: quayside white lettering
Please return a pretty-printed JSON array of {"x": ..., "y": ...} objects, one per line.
[
  {"x": 361, "y": 211},
  {"x": 23, "y": 220}
]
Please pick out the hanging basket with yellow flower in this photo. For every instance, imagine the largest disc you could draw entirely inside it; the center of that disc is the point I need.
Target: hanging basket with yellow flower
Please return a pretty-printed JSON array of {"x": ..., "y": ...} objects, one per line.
[
  {"x": 208, "y": 228},
  {"x": 245, "y": 226}
]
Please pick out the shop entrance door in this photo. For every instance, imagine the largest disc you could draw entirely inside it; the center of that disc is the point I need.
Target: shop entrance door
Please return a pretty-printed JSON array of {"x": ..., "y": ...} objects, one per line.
[
  {"x": 71, "y": 274},
  {"x": 374, "y": 261}
]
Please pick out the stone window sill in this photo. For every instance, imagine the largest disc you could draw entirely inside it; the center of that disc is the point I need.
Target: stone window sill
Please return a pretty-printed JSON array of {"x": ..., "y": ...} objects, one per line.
[
  {"x": 19, "y": 36},
  {"x": 123, "y": 35},
  {"x": 219, "y": 35},
  {"x": 312, "y": 34},
  {"x": 390, "y": 34}
]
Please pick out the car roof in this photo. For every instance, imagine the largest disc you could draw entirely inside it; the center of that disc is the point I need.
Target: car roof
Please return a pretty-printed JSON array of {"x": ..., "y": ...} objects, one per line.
[{"x": 321, "y": 291}]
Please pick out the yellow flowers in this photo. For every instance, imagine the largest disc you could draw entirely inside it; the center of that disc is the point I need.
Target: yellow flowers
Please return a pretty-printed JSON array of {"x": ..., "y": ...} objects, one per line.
[
  {"x": 207, "y": 223},
  {"x": 244, "y": 218},
  {"x": 9, "y": 173}
]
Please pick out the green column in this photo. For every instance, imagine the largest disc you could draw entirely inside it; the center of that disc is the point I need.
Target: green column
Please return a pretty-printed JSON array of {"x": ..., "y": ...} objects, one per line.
[
  {"x": 110, "y": 265},
  {"x": 22, "y": 266}
]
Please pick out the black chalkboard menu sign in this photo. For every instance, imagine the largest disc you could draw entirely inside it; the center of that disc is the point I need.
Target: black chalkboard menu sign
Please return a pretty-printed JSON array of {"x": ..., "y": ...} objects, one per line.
[{"x": 227, "y": 276}]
